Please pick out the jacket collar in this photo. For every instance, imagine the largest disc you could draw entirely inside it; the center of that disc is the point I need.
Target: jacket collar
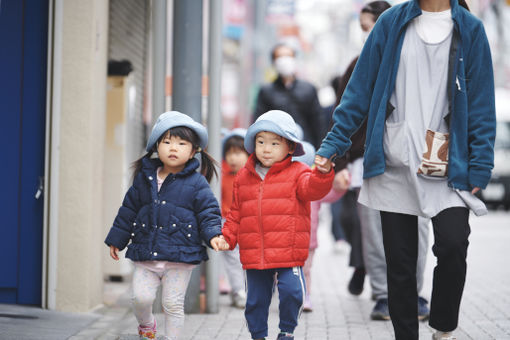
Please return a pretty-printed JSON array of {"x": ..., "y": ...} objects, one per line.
[
  {"x": 414, "y": 10},
  {"x": 279, "y": 81},
  {"x": 149, "y": 166},
  {"x": 277, "y": 167}
]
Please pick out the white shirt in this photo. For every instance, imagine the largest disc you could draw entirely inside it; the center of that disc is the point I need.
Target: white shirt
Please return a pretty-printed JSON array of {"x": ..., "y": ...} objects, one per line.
[{"x": 434, "y": 27}]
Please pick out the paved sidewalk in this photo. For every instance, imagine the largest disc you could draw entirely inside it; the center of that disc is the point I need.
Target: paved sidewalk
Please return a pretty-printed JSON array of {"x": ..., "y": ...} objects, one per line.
[{"x": 485, "y": 310}]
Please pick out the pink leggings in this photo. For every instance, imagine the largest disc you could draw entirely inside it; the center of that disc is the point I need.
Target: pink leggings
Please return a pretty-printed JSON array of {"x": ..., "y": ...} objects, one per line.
[{"x": 175, "y": 280}]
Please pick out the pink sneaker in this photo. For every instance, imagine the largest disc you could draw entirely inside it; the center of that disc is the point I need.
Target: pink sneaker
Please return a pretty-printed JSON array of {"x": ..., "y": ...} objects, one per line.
[
  {"x": 307, "y": 306},
  {"x": 147, "y": 333}
]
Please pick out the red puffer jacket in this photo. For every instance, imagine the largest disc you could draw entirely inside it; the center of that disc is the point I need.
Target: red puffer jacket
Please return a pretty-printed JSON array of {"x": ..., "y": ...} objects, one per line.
[{"x": 270, "y": 218}]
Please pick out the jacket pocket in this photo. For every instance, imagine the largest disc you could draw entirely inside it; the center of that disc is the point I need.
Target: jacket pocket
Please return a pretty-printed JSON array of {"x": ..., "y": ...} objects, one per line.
[{"x": 396, "y": 148}]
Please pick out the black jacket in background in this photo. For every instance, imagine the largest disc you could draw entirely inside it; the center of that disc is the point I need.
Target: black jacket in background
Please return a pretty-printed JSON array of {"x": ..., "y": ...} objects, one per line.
[
  {"x": 299, "y": 100},
  {"x": 357, "y": 148}
]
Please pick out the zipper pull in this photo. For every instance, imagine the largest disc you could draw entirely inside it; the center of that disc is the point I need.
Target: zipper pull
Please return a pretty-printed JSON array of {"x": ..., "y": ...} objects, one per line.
[{"x": 458, "y": 83}]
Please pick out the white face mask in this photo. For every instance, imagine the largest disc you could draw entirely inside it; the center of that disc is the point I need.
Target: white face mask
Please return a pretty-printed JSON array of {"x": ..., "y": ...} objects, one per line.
[{"x": 285, "y": 66}]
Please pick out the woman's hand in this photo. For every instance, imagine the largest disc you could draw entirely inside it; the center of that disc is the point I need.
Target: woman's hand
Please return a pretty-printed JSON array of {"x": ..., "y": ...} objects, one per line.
[
  {"x": 475, "y": 190},
  {"x": 323, "y": 164},
  {"x": 114, "y": 253}
]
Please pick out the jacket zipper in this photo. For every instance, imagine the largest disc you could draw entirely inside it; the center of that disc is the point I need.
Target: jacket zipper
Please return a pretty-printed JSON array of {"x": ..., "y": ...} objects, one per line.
[{"x": 261, "y": 191}]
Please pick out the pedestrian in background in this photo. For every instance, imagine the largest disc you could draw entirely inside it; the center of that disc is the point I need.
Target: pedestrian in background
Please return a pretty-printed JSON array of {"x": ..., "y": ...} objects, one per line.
[
  {"x": 234, "y": 158},
  {"x": 270, "y": 220},
  {"x": 424, "y": 82},
  {"x": 292, "y": 95},
  {"x": 166, "y": 215}
]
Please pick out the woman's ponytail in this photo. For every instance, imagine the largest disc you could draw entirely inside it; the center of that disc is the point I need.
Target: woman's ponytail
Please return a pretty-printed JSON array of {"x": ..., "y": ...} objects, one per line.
[
  {"x": 209, "y": 164},
  {"x": 464, "y": 4}
]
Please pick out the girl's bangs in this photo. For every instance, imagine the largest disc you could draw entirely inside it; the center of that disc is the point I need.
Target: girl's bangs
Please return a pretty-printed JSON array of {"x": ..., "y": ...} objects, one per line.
[{"x": 181, "y": 132}]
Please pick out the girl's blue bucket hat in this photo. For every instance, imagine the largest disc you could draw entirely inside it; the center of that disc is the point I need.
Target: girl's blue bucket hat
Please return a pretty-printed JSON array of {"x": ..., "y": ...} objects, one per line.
[
  {"x": 173, "y": 119},
  {"x": 278, "y": 122}
]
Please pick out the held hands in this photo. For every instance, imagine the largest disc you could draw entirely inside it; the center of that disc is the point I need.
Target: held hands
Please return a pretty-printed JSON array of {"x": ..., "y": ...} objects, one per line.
[
  {"x": 219, "y": 243},
  {"x": 114, "y": 253},
  {"x": 323, "y": 164},
  {"x": 342, "y": 181}
]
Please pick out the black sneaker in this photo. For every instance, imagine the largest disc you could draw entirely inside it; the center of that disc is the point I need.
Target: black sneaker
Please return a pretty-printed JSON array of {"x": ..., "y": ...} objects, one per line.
[
  {"x": 423, "y": 309},
  {"x": 285, "y": 336},
  {"x": 357, "y": 281},
  {"x": 381, "y": 311}
]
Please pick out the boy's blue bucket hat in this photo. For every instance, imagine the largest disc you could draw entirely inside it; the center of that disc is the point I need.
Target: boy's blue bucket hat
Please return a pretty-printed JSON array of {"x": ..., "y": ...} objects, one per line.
[
  {"x": 275, "y": 121},
  {"x": 173, "y": 119}
]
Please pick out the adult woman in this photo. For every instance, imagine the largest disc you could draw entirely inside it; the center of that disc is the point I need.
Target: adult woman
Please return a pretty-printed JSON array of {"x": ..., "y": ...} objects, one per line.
[{"x": 425, "y": 66}]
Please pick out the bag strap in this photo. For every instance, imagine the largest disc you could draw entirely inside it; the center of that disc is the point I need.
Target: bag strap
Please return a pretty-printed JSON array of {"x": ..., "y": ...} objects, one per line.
[{"x": 451, "y": 70}]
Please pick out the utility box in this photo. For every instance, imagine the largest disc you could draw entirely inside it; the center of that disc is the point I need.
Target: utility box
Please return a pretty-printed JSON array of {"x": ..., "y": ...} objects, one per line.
[{"x": 116, "y": 164}]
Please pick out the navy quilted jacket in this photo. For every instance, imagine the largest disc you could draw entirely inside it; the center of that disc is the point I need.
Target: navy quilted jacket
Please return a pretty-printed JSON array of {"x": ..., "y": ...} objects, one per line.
[{"x": 168, "y": 225}]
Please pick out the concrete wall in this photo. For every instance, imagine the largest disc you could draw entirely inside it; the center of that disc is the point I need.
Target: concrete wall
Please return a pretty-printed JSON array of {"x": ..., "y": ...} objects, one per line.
[{"x": 82, "y": 126}]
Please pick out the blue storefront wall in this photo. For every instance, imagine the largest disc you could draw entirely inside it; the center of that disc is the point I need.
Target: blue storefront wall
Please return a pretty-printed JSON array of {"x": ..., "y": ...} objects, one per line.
[{"x": 23, "y": 66}]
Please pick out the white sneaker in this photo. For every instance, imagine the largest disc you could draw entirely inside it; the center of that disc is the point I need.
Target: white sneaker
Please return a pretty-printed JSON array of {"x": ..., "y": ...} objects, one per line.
[
  {"x": 438, "y": 335},
  {"x": 341, "y": 247},
  {"x": 239, "y": 299}
]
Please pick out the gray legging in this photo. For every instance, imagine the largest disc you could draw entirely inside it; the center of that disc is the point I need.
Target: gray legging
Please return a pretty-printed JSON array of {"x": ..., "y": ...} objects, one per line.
[{"x": 373, "y": 250}]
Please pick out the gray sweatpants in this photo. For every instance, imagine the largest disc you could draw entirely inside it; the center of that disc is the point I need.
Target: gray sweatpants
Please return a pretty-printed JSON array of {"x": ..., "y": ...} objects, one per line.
[
  {"x": 234, "y": 269},
  {"x": 373, "y": 250}
]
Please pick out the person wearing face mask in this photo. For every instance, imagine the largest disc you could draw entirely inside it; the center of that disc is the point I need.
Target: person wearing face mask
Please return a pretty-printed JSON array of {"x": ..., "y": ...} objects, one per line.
[
  {"x": 292, "y": 95},
  {"x": 366, "y": 231}
]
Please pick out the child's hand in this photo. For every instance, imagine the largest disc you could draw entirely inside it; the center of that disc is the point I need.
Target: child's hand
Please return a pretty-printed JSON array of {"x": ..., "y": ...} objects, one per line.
[
  {"x": 323, "y": 164},
  {"x": 114, "y": 253},
  {"x": 219, "y": 243}
]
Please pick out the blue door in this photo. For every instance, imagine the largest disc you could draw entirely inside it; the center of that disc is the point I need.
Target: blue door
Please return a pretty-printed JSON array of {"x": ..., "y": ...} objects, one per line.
[{"x": 23, "y": 55}]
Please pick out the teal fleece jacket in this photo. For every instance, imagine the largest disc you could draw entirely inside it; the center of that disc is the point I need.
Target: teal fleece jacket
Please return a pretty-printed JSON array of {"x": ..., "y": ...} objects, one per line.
[{"x": 471, "y": 94}]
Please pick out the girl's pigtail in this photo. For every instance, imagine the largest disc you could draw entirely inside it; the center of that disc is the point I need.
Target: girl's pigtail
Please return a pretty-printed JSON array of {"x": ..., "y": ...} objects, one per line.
[
  {"x": 464, "y": 4},
  {"x": 209, "y": 164},
  {"x": 136, "y": 166}
]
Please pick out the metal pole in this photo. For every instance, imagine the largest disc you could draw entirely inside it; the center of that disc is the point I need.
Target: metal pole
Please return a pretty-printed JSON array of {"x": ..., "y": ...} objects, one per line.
[
  {"x": 214, "y": 127},
  {"x": 158, "y": 57},
  {"x": 187, "y": 91},
  {"x": 158, "y": 81},
  {"x": 187, "y": 58}
]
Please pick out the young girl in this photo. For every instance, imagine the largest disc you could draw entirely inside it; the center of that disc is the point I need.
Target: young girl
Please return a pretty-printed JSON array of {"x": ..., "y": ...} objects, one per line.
[
  {"x": 166, "y": 214},
  {"x": 424, "y": 82},
  {"x": 270, "y": 220}
]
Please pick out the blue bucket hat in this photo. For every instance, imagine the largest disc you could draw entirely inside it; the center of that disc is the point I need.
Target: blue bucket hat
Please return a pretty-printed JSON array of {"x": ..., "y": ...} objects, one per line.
[
  {"x": 173, "y": 119},
  {"x": 239, "y": 132},
  {"x": 278, "y": 122},
  {"x": 309, "y": 157}
]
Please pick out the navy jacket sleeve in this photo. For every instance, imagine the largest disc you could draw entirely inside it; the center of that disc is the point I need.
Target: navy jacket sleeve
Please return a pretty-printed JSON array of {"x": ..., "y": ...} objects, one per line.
[
  {"x": 207, "y": 211},
  {"x": 120, "y": 232},
  {"x": 481, "y": 110}
]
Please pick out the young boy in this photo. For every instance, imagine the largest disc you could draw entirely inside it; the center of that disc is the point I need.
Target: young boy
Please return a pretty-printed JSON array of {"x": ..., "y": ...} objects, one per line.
[
  {"x": 234, "y": 158},
  {"x": 270, "y": 220}
]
